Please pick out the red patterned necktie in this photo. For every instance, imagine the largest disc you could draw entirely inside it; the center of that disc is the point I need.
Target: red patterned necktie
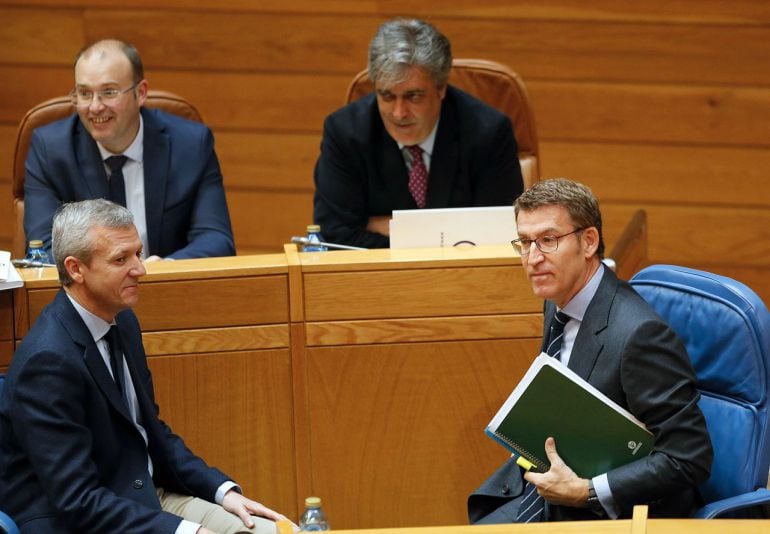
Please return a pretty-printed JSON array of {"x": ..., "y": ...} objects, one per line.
[{"x": 418, "y": 177}]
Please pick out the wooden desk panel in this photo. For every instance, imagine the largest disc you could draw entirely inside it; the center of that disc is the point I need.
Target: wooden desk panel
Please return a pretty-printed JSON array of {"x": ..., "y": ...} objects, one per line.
[
  {"x": 396, "y": 431},
  {"x": 234, "y": 409}
]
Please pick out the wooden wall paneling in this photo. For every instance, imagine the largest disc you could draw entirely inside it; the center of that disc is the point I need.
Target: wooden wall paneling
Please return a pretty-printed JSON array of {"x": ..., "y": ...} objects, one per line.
[
  {"x": 264, "y": 220},
  {"x": 389, "y": 424},
  {"x": 270, "y": 162},
  {"x": 671, "y": 114},
  {"x": 694, "y": 175},
  {"x": 618, "y": 51},
  {"x": 752, "y": 12},
  {"x": 234, "y": 410},
  {"x": 39, "y": 36},
  {"x": 266, "y": 102},
  {"x": 25, "y": 86}
]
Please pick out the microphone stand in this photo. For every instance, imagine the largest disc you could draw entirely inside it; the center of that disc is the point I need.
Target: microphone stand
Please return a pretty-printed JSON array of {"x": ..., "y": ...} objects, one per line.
[{"x": 300, "y": 240}]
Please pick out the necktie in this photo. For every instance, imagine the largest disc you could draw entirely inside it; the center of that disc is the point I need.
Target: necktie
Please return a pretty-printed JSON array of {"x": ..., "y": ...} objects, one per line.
[
  {"x": 557, "y": 334},
  {"x": 532, "y": 504},
  {"x": 418, "y": 177},
  {"x": 117, "y": 184},
  {"x": 116, "y": 357}
]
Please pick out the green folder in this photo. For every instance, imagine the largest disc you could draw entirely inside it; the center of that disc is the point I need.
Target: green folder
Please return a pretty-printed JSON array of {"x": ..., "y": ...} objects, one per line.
[{"x": 593, "y": 434}]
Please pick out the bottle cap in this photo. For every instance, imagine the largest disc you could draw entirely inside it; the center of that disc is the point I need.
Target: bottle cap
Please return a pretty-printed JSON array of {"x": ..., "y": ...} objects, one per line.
[
  {"x": 313, "y": 502},
  {"x": 313, "y": 228},
  {"x": 36, "y": 243}
]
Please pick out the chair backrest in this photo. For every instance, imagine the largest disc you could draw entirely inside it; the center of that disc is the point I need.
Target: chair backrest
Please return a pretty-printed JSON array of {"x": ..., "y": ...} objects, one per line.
[
  {"x": 498, "y": 86},
  {"x": 726, "y": 329},
  {"x": 59, "y": 108}
]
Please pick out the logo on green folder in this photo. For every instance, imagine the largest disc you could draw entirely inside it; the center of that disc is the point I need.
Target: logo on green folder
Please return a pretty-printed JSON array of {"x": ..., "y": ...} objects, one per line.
[{"x": 634, "y": 446}]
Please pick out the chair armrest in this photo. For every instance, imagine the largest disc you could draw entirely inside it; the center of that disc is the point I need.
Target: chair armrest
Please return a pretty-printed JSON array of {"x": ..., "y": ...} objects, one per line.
[
  {"x": 7, "y": 525},
  {"x": 716, "y": 508}
]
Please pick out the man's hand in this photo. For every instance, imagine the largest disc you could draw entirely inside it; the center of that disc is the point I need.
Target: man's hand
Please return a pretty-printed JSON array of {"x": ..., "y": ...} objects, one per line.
[
  {"x": 379, "y": 224},
  {"x": 243, "y": 507},
  {"x": 204, "y": 530},
  {"x": 560, "y": 484},
  {"x": 152, "y": 259}
]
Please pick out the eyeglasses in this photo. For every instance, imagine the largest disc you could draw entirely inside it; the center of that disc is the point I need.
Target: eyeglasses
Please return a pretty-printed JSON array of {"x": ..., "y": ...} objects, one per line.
[
  {"x": 546, "y": 244},
  {"x": 82, "y": 95}
]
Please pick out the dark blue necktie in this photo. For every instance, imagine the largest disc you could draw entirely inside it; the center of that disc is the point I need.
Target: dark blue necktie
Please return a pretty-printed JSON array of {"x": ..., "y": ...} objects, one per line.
[
  {"x": 532, "y": 504},
  {"x": 117, "y": 184},
  {"x": 116, "y": 357}
]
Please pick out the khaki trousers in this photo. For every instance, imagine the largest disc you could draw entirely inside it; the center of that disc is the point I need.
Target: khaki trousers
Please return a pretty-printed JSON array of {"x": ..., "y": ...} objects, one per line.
[{"x": 210, "y": 515}]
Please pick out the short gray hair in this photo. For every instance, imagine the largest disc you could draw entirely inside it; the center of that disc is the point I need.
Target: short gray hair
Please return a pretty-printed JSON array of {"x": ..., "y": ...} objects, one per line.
[
  {"x": 72, "y": 225},
  {"x": 576, "y": 198},
  {"x": 403, "y": 43}
]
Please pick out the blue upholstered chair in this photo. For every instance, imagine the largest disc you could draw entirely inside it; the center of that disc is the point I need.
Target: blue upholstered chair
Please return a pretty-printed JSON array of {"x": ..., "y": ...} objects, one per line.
[{"x": 726, "y": 328}]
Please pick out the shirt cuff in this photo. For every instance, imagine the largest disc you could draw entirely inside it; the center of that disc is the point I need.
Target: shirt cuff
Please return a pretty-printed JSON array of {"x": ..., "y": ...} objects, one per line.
[
  {"x": 187, "y": 527},
  {"x": 223, "y": 489},
  {"x": 603, "y": 492}
]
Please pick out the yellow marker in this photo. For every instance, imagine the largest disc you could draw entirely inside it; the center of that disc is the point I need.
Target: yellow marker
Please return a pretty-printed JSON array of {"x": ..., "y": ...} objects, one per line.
[{"x": 524, "y": 463}]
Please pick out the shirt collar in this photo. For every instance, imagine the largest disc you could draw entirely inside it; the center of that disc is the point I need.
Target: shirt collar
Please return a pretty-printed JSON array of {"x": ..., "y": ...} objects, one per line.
[
  {"x": 95, "y": 324},
  {"x": 135, "y": 151},
  {"x": 576, "y": 308},
  {"x": 428, "y": 142}
]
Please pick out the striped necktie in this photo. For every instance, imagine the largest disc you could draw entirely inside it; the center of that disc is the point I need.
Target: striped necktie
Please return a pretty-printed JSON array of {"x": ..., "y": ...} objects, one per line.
[
  {"x": 418, "y": 176},
  {"x": 532, "y": 504}
]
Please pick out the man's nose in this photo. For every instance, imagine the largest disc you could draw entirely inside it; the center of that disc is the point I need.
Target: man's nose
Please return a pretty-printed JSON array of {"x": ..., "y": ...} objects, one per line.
[{"x": 400, "y": 108}]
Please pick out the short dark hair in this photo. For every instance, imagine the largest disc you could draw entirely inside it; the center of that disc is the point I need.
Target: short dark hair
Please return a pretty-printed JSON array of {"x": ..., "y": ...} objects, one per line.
[
  {"x": 128, "y": 50},
  {"x": 576, "y": 198},
  {"x": 403, "y": 43}
]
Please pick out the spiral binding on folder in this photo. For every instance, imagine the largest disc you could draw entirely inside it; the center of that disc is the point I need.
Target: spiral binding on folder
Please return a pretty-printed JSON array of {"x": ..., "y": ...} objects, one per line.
[{"x": 540, "y": 466}]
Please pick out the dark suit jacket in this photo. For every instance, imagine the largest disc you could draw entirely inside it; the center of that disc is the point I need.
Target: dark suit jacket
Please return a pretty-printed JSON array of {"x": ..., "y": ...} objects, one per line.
[
  {"x": 71, "y": 460},
  {"x": 630, "y": 354},
  {"x": 185, "y": 203},
  {"x": 361, "y": 172}
]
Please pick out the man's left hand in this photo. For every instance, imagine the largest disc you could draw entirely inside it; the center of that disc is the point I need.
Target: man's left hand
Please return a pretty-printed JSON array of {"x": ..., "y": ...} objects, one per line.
[
  {"x": 243, "y": 507},
  {"x": 560, "y": 484}
]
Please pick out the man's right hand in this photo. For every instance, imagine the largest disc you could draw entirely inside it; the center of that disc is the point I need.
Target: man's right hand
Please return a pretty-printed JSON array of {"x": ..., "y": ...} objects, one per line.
[
  {"x": 204, "y": 530},
  {"x": 379, "y": 224}
]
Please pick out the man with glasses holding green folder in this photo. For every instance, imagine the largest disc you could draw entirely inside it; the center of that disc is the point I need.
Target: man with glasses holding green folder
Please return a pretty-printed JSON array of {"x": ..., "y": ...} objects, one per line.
[{"x": 601, "y": 329}]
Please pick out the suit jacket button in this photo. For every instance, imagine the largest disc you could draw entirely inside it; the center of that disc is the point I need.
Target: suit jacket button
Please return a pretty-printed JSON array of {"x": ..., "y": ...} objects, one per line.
[
  {"x": 505, "y": 490},
  {"x": 138, "y": 484}
]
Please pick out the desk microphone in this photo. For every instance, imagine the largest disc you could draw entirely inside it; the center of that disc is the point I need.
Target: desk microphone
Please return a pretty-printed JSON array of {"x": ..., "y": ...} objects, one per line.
[
  {"x": 301, "y": 240},
  {"x": 24, "y": 263}
]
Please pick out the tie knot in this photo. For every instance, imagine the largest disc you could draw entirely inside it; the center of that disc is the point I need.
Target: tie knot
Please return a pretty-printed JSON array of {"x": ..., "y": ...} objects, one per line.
[
  {"x": 561, "y": 317},
  {"x": 115, "y": 163},
  {"x": 415, "y": 151}
]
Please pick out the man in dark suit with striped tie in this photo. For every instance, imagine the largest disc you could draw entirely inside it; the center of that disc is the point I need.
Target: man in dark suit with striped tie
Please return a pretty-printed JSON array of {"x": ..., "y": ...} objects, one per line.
[
  {"x": 82, "y": 446},
  {"x": 601, "y": 329}
]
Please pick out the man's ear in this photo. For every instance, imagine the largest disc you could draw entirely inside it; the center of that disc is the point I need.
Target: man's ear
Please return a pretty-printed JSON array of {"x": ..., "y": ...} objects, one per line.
[
  {"x": 141, "y": 91},
  {"x": 591, "y": 240},
  {"x": 74, "y": 268}
]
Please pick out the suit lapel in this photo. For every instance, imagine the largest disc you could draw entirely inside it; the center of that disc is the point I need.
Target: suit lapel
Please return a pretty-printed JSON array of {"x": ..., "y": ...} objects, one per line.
[
  {"x": 590, "y": 338},
  {"x": 392, "y": 166},
  {"x": 89, "y": 161},
  {"x": 444, "y": 160},
  {"x": 157, "y": 153},
  {"x": 91, "y": 355}
]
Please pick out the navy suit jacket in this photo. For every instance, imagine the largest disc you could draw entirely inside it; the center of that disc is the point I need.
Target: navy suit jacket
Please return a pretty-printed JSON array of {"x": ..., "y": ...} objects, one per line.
[
  {"x": 630, "y": 354},
  {"x": 71, "y": 460},
  {"x": 185, "y": 203},
  {"x": 361, "y": 172}
]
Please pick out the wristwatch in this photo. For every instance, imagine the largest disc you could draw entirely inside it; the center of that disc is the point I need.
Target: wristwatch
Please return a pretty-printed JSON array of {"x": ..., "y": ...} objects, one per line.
[{"x": 592, "y": 503}]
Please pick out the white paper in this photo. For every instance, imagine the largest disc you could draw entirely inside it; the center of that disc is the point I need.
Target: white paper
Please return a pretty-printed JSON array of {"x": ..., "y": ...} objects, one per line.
[{"x": 450, "y": 227}]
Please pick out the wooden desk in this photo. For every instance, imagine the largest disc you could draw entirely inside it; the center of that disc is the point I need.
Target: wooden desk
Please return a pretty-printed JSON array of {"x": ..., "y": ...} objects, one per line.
[
  {"x": 216, "y": 332},
  {"x": 407, "y": 356}
]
